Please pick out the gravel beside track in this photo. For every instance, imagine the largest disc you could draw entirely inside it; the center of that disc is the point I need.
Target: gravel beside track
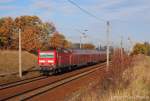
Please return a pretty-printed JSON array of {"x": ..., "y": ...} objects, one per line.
[
  {"x": 31, "y": 89},
  {"x": 19, "y": 82}
]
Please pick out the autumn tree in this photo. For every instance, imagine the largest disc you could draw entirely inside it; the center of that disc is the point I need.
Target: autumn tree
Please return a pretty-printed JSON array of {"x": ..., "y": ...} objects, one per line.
[
  {"x": 30, "y": 39},
  {"x": 88, "y": 46},
  {"x": 6, "y": 31},
  {"x": 67, "y": 44},
  {"x": 34, "y": 32},
  {"x": 147, "y": 46},
  {"x": 139, "y": 49},
  {"x": 47, "y": 30},
  {"x": 22, "y": 21},
  {"x": 59, "y": 41}
]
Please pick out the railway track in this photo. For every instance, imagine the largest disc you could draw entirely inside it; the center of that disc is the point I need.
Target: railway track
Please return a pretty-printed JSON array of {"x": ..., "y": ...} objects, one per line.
[
  {"x": 19, "y": 82},
  {"x": 35, "y": 91}
]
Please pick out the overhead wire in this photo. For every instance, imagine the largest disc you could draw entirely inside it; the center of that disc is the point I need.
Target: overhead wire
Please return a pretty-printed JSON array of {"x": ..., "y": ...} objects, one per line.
[{"x": 85, "y": 11}]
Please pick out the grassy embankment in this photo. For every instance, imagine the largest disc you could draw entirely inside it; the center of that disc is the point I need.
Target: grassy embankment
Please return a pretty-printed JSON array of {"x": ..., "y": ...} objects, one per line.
[
  {"x": 126, "y": 82},
  {"x": 9, "y": 61},
  {"x": 9, "y": 64}
]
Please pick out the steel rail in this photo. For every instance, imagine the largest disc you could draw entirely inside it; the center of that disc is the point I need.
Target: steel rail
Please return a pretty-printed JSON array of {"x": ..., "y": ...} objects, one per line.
[
  {"x": 19, "y": 82},
  {"x": 34, "y": 92},
  {"x": 48, "y": 83}
]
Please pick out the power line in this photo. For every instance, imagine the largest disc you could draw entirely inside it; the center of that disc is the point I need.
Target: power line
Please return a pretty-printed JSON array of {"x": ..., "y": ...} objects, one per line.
[
  {"x": 90, "y": 14},
  {"x": 85, "y": 11},
  {"x": 107, "y": 23}
]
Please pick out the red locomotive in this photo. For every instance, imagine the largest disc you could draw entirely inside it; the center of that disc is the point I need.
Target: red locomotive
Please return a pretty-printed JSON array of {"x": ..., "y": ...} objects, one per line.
[{"x": 56, "y": 61}]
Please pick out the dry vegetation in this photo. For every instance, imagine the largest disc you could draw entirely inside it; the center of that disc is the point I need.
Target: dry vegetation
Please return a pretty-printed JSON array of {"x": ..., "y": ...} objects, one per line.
[
  {"x": 9, "y": 65},
  {"x": 9, "y": 61},
  {"x": 128, "y": 80}
]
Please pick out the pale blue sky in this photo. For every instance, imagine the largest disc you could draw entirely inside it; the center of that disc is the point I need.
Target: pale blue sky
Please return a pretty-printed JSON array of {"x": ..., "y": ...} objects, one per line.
[{"x": 129, "y": 18}]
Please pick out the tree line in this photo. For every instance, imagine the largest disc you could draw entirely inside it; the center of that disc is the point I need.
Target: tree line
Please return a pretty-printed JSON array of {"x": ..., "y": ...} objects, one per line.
[
  {"x": 35, "y": 34},
  {"x": 141, "y": 48}
]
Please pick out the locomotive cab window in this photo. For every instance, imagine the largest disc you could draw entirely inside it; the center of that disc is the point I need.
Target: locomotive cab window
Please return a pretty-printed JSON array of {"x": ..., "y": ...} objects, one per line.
[{"x": 47, "y": 55}]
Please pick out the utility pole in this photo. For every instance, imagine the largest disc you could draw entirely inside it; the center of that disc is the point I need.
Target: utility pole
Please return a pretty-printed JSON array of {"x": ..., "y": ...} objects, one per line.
[
  {"x": 20, "y": 64},
  {"x": 121, "y": 43},
  {"x": 130, "y": 46},
  {"x": 82, "y": 35},
  {"x": 108, "y": 35},
  {"x": 80, "y": 42},
  {"x": 99, "y": 46}
]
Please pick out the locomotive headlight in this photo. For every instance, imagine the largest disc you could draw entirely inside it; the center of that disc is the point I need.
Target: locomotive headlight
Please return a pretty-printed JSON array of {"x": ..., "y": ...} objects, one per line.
[
  {"x": 42, "y": 61},
  {"x": 50, "y": 61}
]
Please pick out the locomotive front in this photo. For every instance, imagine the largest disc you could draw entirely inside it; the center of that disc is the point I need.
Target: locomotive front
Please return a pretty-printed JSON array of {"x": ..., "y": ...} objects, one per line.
[{"x": 47, "y": 60}]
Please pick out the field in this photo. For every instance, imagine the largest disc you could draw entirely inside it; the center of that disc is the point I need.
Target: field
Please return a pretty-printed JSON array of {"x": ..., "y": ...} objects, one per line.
[
  {"x": 9, "y": 61},
  {"x": 133, "y": 84},
  {"x": 9, "y": 64}
]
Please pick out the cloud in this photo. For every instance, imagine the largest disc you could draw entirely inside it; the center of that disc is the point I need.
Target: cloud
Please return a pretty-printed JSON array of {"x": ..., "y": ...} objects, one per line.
[
  {"x": 43, "y": 4},
  {"x": 109, "y": 3},
  {"x": 67, "y": 9},
  {"x": 118, "y": 9},
  {"x": 4, "y": 7},
  {"x": 6, "y": 1},
  {"x": 52, "y": 6}
]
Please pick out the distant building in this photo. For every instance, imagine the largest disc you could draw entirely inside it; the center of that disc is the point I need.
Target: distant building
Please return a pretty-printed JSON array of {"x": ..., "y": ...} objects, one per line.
[
  {"x": 104, "y": 48},
  {"x": 76, "y": 46}
]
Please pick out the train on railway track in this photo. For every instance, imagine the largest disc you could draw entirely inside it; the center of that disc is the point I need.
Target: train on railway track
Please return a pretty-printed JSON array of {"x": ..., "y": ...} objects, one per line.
[{"x": 56, "y": 61}]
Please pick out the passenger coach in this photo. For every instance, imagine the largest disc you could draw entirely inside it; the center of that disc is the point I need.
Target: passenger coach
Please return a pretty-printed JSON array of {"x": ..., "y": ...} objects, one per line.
[{"x": 55, "y": 61}]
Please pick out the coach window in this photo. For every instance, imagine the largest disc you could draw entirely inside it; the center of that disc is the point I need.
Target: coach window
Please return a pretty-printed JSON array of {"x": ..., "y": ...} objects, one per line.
[
  {"x": 60, "y": 50},
  {"x": 66, "y": 51}
]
